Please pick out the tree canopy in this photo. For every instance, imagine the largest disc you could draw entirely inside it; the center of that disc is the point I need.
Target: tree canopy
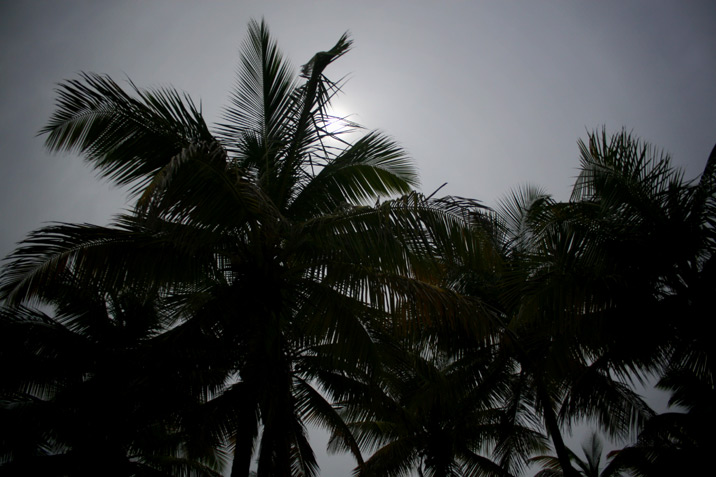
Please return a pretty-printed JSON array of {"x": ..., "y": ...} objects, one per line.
[{"x": 275, "y": 272}]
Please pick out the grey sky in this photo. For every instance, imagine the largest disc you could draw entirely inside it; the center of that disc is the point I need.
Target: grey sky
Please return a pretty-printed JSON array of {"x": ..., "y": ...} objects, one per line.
[{"x": 484, "y": 95}]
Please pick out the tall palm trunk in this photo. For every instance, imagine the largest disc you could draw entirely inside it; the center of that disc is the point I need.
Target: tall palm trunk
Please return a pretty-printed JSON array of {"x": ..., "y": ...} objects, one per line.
[
  {"x": 244, "y": 444},
  {"x": 550, "y": 420}
]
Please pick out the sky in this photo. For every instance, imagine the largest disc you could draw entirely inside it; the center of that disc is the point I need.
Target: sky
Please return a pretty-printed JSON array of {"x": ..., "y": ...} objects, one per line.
[{"x": 484, "y": 95}]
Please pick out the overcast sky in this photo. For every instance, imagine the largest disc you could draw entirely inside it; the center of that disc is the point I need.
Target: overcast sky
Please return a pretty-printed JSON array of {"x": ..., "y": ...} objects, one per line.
[{"x": 484, "y": 95}]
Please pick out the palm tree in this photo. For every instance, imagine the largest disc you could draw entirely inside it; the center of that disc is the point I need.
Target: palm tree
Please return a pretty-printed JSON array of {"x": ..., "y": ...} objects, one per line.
[
  {"x": 437, "y": 413},
  {"x": 260, "y": 238},
  {"x": 532, "y": 289},
  {"x": 679, "y": 441},
  {"x": 627, "y": 253},
  {"x": 574, "y": 272}
]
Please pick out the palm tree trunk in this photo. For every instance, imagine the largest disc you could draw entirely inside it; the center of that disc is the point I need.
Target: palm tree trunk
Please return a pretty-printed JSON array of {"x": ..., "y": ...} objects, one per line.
[
  {"x": 244, "y": 445},
  {"x": 242, "y": 461},
  {"x": 550, "y": 420}
]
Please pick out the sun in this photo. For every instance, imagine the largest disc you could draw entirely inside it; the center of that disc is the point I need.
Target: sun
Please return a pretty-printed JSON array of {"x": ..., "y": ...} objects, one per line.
[{"x": 339, "y": 120}]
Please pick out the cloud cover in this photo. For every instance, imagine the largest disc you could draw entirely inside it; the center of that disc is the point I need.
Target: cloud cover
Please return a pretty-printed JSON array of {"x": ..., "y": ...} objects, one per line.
[{"x": 484, "y": 95}]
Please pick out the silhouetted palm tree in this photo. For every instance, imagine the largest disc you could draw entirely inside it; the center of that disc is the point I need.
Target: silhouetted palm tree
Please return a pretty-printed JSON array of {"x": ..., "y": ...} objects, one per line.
[
  {"x": 679, "y": 441},
  {"x": 626, "y": 254},
  {"x": 261, "y": 238},
  {"x": 439, "y": 414},
  {"x": 575, "y": 272}
]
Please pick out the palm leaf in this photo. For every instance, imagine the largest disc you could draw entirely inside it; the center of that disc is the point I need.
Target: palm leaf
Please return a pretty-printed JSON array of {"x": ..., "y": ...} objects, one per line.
[
  {"x": 103, "y": 257},
  {"x": 126, "y": 139},
  {"x": 372, "y": 167}
]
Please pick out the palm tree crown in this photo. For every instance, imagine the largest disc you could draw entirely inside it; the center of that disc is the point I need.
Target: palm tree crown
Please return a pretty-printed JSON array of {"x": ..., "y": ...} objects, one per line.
[{"x": 261, "y": 238}]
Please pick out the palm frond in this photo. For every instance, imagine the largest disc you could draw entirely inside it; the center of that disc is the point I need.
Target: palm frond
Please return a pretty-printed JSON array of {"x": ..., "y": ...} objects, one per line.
[
  {"x": 594, "y": 393},
  {"x": 621, "y": 168},
  {"x": 197, "y": 188},
  {"x": 371, "y": 168},
  {"x": 127, "y": 139},
  {"x": 104, "y": 257},
  {"x": 521, "y": 212}
]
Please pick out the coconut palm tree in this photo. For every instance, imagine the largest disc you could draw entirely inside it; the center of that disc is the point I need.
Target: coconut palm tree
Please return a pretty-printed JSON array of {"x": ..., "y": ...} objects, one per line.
[
  {"x": 265, "y": 238},
  {"x": 536, "y": 289},
  {"x": 628, "y": 252},
  {"x": 573, "y": 272},
  {"x": 437, "y": 413}
]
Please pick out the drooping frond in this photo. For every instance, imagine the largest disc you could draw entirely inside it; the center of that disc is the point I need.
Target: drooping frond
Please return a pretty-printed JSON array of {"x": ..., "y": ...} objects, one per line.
[
  {"x": 197, "y": 187},
  {"x": 312, "y": 101},
  {"x": 105, "y": 257},
  {"x": 127, "y": 139},
  {"x": 371, "y": 168}
]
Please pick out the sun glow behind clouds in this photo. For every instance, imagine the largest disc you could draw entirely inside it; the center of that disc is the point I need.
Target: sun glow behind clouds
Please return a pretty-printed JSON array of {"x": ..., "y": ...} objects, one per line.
[{"x": 339, "y": 120}]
